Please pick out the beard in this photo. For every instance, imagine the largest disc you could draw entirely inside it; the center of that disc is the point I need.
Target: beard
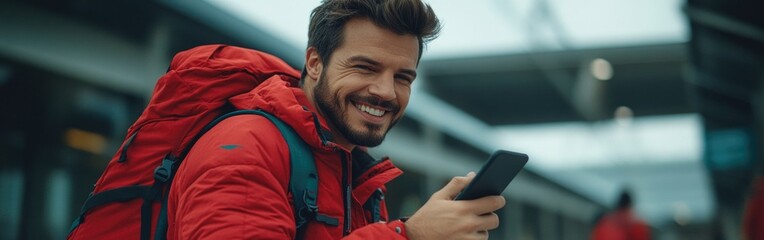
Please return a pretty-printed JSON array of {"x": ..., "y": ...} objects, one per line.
[{"x": 331, "y": 106}]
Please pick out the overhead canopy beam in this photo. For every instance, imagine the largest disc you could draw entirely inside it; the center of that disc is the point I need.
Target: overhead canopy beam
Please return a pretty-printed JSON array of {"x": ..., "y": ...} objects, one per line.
[
  {"x": 73, "y": 49},
  {"x": 724, "y": 23}
]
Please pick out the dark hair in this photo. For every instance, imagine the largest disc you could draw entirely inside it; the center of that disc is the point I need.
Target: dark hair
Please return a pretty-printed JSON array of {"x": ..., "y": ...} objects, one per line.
[
  {"x": 327, "y": 21},
  {"x": 624, "y": 200}
]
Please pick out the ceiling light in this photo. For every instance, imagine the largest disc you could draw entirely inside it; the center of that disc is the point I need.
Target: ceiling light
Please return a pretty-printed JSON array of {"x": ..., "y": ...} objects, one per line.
[
  {"x": 623, "y": 115},
  {"x": 601, "y": 69}
]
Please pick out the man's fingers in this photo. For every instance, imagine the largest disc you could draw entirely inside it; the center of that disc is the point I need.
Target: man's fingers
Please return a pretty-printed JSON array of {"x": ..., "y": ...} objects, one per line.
[
  {"x": 482, "y": 235},
  {"x": 453, "y": 187},
  {"x": 486, "y": 205},
  {"x": 480, "y": 225},
  {"x": 478, "y": 235},
  {"x": 489, "y": 221}
]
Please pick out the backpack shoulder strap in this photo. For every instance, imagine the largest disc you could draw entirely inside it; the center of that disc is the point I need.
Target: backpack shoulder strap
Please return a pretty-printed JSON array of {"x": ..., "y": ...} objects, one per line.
[{"x": 303, "y": 179}]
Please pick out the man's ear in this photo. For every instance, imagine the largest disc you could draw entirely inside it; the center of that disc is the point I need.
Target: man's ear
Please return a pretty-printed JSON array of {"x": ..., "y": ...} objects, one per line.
[{"x": 313, "y": 64}]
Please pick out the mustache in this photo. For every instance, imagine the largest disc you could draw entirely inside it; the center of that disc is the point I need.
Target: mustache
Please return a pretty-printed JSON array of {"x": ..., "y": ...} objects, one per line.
[{"x": 375, "y": 101}]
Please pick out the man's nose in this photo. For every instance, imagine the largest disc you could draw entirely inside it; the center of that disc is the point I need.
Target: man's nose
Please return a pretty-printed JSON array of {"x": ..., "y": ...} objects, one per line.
[{"x": 384, "y": 87}]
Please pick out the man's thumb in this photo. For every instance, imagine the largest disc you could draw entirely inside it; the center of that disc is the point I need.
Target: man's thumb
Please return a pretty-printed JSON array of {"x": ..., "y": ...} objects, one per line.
[{"x": 456, "y": 185}]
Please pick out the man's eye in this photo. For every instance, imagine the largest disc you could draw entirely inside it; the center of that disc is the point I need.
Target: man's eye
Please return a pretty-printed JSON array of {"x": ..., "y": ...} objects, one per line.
[
  {"x": 405, "y": 78},
  {"x": 363, "y": 67}
]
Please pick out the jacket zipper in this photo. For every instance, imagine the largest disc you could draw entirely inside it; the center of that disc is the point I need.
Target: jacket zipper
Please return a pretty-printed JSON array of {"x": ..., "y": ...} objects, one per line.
[{"x": 346, "y": 195}]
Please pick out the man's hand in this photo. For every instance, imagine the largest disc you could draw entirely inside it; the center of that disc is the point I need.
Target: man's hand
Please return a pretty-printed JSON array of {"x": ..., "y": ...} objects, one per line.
[{"x": 443, "y": 218}]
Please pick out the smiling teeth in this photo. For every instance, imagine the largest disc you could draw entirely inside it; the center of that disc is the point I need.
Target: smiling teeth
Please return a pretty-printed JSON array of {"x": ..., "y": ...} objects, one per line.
[{"x": 370, "y": 110}]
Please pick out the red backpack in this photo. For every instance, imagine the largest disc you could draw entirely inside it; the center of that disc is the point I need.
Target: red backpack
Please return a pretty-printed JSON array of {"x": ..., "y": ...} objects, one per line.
[{"x": 129, "y": 199}]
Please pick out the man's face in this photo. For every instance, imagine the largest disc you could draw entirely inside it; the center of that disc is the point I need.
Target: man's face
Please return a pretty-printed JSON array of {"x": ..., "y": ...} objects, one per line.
[{"x": 365, "y": 87}]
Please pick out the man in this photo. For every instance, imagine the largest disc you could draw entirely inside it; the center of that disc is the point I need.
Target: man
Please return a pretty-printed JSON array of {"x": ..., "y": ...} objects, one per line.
[
  {"x": 621, "y": 224},
  {"x": 360, "y": 63}
]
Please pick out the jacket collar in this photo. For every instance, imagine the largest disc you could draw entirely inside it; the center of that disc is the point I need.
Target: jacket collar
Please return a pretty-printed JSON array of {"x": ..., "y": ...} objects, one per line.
[{"x": 280, "y": 96}]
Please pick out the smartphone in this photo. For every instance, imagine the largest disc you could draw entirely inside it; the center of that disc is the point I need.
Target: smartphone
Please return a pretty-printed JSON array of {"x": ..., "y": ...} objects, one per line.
[{"x": 495, "y": 175}]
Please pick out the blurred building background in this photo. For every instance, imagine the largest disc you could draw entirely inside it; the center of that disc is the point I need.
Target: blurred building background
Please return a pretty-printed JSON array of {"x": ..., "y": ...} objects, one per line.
[{"x": 664, "y": 97}]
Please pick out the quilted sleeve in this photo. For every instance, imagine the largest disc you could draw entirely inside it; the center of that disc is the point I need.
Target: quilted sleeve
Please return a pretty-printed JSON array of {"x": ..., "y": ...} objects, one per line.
[
  {"x": 233, "y": 185},
  {"x": 235, "y": 202}
]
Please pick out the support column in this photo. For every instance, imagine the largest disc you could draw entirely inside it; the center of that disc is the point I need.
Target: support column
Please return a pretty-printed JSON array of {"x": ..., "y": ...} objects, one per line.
[
  {"x": 432, "y": 140},
  {"x": 513, "y": 220},
  {"x": 548, "y": 223}
]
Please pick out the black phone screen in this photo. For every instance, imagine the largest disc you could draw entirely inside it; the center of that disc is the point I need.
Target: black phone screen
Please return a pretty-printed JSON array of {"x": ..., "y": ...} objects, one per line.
[{"x": 495, "y": 175}]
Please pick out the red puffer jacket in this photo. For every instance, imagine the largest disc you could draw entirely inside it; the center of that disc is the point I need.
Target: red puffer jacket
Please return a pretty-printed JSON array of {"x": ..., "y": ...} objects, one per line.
[
  {"x": 622, "y": 224},
  {"x": 242, "y": 192},
  {"x": 753, "y": 219}
]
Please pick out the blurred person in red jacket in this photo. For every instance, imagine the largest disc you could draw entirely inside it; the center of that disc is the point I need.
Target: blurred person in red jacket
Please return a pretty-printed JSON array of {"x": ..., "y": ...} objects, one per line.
[
  {"x": 753, "y": 221},
  {"x": 622, "y": 223}
]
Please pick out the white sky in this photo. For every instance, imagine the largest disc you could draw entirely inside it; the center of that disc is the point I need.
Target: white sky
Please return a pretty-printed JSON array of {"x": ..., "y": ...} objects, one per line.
[{"x": 574, "y": 145}]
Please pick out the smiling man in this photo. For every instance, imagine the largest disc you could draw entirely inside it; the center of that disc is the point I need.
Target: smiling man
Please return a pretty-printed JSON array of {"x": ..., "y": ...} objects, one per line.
[{"x": 360, "y": 64}]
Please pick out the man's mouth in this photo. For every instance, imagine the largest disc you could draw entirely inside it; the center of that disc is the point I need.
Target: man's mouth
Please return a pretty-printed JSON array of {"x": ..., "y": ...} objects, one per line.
[{"x": 370, "y": 110}]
